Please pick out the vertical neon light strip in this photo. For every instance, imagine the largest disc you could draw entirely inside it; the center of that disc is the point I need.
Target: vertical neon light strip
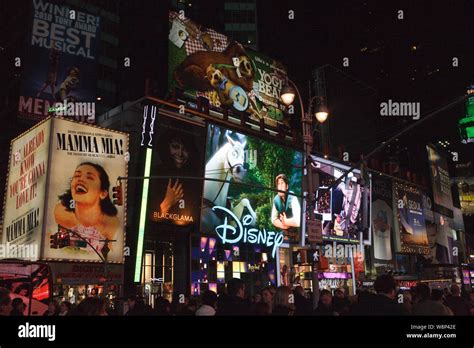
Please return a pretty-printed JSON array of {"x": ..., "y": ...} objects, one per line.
[{"x": 141, "y": 226}]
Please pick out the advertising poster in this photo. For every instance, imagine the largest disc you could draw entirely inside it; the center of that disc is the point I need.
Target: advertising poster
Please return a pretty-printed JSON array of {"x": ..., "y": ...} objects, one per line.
[
  {"x": 466, "y": 122},
  {"x": 444, "y": 248},
  {"x": 60, "y": 70},
  {"x": 178, "y": 150},
  {"x": 440, "y": 180},
  {"x": 340, "y": 207},
  {"x": 382, "y": 220},
  {"x": 466, "y": 195},
  {"x": 411, "y": 229},
  {"x": 207, "y": 64},
  {"x": 86, "y": 162},
  {"x": 25, "y": 193},
  {"x": 236, "y": 211}
]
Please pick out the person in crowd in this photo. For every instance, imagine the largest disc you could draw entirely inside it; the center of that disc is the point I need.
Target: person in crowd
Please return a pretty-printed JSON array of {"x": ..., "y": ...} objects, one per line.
[
  {"x": 282, "y": 301},
  {"x": 64, "y": 308},
  {"x": 340, "y": 302},
  {"x": 407, "y": 303},
  {"x": 471, "y": 301},
  {"x": 5, "y": 302},
  {"x": 427, "y": 306},
  {"x": 131, "y": 302},
  {"x": 234, "y": 302},
  {"x": 438, "y": 295},
  {"x": 257, "y": 298},
  {"x": 325, "y": 306},
  {"x": 53, "y": 309},
  {"x": 189, "y": 308},
  {"x": 302, "y": 304},
  {"x": 92, "y": 306},
  {"x": 267, "y": 299},
  {"x": 208, "y": 307},
  {"x": 178, "y": 303},
  {"x": 18, "y": 307},
  {"x": 446, "y": 292},
  {"x": 361, "y": 302},
  {"x": 261, "y": 308},
  {"x": 162, "y": 307},
  {"x": 136, "y": 306},
  {"x": 456, "y": 303},
  {"x": 384, "y": 302},
  {"x": 413, "y": 295}
]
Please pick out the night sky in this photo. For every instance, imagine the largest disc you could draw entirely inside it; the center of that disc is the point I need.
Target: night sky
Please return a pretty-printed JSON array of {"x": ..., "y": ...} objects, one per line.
[{"x": 407, "y": 60}]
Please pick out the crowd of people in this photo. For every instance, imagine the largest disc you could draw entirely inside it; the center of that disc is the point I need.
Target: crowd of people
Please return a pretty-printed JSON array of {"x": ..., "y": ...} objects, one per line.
[{"x": 276, "y": 301}]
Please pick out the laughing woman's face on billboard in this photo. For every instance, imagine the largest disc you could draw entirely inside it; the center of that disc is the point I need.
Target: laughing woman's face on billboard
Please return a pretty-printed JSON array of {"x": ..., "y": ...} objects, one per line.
[
  {"x": 92, "y": 207},
  {"x": 85, "y": 186}
]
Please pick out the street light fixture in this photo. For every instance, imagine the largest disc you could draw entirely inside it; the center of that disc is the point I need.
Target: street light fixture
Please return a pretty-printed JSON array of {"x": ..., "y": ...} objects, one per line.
[
  {"x": 288, "y": 94},
  {"x": 322, "y": 114}
]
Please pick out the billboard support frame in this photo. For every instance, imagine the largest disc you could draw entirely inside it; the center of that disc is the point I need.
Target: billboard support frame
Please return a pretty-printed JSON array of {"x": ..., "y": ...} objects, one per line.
[{"x": 46, "y": 198}]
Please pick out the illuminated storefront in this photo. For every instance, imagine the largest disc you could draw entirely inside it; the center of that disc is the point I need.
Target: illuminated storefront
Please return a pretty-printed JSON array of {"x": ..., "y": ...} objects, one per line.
[
  {"x": 213, "y": 264},
  {"x": 75, "y": 281}
]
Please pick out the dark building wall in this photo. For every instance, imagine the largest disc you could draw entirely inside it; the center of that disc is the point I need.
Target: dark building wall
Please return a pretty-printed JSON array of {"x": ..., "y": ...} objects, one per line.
[{"x": 144, "y": 39}]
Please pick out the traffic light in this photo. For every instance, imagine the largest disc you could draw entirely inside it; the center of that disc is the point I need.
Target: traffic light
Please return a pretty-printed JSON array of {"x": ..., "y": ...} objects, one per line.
[
  {"x": 53, "y": 244},
  {"x": 63, "y": 239},
  {"x": 105, "y": 249},
  {"x": 117, "y": 194}
]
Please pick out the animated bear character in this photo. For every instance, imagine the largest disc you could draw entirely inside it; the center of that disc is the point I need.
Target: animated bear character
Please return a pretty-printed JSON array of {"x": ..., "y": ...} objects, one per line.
[
  {"x": 191, "y": 73},
  {"x": 220, "y": 83},
  {"x": 228, "y": 92}
]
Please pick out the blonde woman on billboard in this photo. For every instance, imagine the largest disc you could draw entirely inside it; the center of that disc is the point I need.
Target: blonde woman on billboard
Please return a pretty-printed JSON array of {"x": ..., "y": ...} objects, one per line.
[{"x": 86, "y": 207}]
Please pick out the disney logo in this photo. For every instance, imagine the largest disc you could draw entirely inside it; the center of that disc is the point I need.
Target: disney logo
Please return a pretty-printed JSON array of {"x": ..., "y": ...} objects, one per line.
[{"x": 232, "y": 235}]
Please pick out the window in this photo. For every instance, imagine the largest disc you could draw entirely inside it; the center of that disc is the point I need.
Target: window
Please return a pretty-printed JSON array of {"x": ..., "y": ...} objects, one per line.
[{"x": 148, "y": 267}]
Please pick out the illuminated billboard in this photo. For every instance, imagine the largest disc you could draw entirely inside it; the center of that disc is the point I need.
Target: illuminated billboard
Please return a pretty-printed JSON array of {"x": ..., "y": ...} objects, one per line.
[
  {"x": 84, "y": 194},
  {"x": 411, "y": 230},
  {"x": 205, "y": 63},
  {"x": 235, "y": 207},
  {"x": 25, "y": 189},
  {"x": 60, "y": 66},
  {"x": 466, "y": 195},
  {"x": 466, "y": 123},
  {"x": 382, "y": 221},
  {"x": 178, "y": 152},
  {"x": 340, "y": 206},
  {"x": 440, "y": 180},
  {"x": 62, "y": 193},
  {"x": 442, "y": 240}
]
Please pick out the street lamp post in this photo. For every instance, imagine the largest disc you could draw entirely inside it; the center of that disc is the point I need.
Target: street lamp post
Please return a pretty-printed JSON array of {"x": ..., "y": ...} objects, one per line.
[{"x": 288, "y": 95}]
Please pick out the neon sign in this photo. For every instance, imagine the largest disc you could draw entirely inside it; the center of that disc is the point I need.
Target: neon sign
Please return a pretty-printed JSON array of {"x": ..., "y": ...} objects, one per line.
[{"x": 232, "y": 235}]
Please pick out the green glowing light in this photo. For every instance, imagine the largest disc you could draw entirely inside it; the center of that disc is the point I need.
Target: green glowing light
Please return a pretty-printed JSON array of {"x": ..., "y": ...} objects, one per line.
[{"x": 141, "y": 226}]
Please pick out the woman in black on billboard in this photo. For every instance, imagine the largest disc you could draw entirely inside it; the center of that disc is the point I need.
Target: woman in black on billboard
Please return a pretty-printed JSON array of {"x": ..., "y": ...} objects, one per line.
[
  {"x": 177, "y": 156},
  {"x": 86, "y": 207}
]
